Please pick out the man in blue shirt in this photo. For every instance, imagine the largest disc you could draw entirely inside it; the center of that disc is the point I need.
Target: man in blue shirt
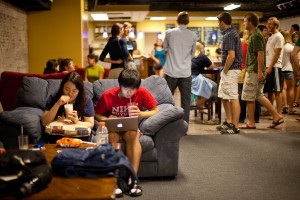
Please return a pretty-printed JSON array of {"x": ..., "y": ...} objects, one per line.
[
  {"x": 232, "y": 66},
  {"x": 179, "y": 46}
]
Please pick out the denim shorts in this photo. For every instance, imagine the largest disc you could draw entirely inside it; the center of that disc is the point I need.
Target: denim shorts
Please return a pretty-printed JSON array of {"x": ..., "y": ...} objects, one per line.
[{"x": 287, "y": 75}]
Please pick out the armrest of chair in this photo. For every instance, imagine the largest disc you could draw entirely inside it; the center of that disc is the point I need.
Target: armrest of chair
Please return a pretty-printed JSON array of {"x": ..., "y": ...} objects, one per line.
[
  {"x": 167, "y": 142},
  {"x": 168, "y": 113},
  {"x": 29, "y": 117}
]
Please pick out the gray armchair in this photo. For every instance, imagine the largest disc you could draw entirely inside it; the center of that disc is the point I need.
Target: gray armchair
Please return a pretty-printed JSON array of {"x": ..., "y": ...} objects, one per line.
[{"x": 162, "y": 132}]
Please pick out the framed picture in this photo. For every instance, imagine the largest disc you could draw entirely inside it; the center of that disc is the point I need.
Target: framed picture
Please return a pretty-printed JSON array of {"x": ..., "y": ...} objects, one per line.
[
  {"x": 197, "y": 31},
  {"x": 212, "y": 35},
  {"x": 170, "y": 26}
]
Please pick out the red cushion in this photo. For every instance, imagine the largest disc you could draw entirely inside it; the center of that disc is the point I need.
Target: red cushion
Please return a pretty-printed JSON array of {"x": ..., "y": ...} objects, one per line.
[{"x": 18, "y": 76}]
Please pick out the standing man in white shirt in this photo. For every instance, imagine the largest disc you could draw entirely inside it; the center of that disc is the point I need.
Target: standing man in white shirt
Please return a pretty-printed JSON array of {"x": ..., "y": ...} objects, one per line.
[
  {"x": 179, "y": 46},
  {"x": 274, "y": 80}
]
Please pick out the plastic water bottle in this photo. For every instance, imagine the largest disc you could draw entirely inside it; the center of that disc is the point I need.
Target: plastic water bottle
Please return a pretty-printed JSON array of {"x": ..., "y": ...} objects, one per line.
[{"x": 101, "y": 134}]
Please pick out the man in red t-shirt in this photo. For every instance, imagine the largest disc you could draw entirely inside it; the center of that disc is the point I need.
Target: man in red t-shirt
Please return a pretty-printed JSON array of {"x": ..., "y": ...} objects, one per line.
[{"x": 113, "y": 103}]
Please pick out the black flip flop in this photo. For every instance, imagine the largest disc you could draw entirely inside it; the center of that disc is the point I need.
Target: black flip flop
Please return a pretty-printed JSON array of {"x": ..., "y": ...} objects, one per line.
[{"x": 274, "y": 124}]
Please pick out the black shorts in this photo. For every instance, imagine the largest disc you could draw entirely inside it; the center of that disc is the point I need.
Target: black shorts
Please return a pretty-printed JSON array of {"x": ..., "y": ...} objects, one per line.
[{"x": 274, "y": 81}]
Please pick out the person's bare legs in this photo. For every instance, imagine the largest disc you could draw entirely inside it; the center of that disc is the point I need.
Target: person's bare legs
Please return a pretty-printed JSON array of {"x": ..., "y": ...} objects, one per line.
[
  {"x": 235, "y": 111},
  {"x": 227, "y": 108},
  {"x": 133, "y": 148},
  {"x": 267, "y": 104},
  {"x": 201, "y": 102},
  {"x": 251, "y": 111},
  {"x": 290, "y": 94},
  {"x": 278, "y": 98},
  {"x": 297, "y": 94},
  {"x": 284, "y": 94},
  {"x": 114, "y": 138}
]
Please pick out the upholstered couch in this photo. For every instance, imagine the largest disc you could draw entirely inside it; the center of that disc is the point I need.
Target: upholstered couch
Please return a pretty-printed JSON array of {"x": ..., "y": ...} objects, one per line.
[
  {"x": 10, "y": 82},
  {"x": 162, "y": 132}
]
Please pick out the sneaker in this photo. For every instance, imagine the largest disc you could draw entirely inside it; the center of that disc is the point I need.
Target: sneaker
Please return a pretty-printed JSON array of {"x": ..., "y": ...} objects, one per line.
[
  {"x": 231, "y": 130},
  {"x": 135, "y": 189},
  {"x": 118, "y": 192},
  {"x": 224, "y": 126}
]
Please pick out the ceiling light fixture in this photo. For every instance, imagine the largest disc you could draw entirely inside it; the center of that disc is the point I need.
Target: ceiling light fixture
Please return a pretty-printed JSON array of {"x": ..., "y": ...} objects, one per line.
[
  {"x": 100, "y": 17},
  {"x": 232, "y": 7},
  {"x": 211, "y": 18},
  {"x": 158, "y": 18},
  {"x": 286, "y": 5}
]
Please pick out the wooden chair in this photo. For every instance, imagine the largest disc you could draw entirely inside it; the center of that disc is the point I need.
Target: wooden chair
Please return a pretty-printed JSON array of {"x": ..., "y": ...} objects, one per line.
[{"x": 211, "y": 107}]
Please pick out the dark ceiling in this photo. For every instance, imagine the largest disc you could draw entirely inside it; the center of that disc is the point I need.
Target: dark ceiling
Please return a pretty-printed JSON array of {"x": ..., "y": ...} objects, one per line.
[{"x": 277, "y": 8}]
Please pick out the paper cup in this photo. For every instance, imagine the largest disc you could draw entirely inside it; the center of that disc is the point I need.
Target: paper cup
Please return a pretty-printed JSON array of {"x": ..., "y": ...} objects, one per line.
[{"x": 68, "y": 109}]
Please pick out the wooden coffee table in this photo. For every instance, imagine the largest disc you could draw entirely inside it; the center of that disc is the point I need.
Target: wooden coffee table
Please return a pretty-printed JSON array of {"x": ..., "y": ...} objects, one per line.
[{"x": 75, "y": 188}]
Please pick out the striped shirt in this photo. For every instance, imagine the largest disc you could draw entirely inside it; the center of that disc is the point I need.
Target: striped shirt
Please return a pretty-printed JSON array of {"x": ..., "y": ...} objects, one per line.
[{"x": 232, "y": 42}]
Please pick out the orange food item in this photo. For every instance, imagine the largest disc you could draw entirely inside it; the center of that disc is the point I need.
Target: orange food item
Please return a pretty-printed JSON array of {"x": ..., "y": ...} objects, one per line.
[{"x": 69, "y": 142}]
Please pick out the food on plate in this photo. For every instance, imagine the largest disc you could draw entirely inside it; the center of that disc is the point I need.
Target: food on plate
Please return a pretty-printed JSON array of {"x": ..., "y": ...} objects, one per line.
[{"x": 69, "y": 142}]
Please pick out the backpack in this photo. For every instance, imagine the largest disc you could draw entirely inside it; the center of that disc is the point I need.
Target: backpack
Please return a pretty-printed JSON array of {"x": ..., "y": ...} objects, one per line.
[
  {"x": 94, "y": 162},
  {"x": 23, "y": 172}
]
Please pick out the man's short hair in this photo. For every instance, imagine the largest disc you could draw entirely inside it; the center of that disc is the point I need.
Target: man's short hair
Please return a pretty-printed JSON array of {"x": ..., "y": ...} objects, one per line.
[
  {"x": 253, "y": 18},
  {"x": 261, "y": 27},
  {"x": 183, "y": 18},
  {"x": 276, "y": 21},
  {"x": 225, "y": 17},
  {"x": 130, "y": 78},
  {"x": 296, "y": 27}
]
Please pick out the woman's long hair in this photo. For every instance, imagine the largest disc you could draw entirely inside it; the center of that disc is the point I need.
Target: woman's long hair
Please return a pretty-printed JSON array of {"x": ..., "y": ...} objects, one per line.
[
  {"x": 287, "y": 36},
  {"x": 80, "y": 100}
]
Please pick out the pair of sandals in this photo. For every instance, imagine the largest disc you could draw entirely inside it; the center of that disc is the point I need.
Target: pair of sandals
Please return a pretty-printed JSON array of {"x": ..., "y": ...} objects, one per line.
[{"x": 135, "y": 190}]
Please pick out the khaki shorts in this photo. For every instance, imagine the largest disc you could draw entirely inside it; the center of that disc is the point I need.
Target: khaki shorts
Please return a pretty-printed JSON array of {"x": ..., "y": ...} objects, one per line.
[
  {"x": 252, "y": 88},
  {"x": 228, "y": 86}
]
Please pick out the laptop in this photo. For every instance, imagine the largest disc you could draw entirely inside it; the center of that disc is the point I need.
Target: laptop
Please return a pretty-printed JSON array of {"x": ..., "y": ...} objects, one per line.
[{"x": 122, "y": 124}]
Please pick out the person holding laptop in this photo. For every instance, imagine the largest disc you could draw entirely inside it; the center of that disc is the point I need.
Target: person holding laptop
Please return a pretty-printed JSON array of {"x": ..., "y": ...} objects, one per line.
[{"x": 113, "y": 103}]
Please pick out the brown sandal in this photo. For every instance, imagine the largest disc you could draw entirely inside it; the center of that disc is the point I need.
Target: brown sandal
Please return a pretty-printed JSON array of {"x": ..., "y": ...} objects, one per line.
[
  {"x": 296, "y": 104},
  {"x": 294, "y": 112}
]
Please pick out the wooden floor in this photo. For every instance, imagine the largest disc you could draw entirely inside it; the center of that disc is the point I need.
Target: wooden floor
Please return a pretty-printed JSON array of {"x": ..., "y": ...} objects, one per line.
[{"x": 199, "y": 127}]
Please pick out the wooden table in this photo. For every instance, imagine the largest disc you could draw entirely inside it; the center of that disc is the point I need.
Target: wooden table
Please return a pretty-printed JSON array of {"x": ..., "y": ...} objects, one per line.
[{"x": 75, "y": 188}]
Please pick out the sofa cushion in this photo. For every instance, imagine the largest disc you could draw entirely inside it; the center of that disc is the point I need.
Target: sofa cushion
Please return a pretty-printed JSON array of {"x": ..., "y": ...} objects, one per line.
[
  {"x": 158, "y": 87},
  {"x": 29, "y": 117},
  {"x": 89, "y": 89},
  {"x": 101, "y": 86},
  {"x": 167, "y": 114},
  {"x": 34, "y": 92}
]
